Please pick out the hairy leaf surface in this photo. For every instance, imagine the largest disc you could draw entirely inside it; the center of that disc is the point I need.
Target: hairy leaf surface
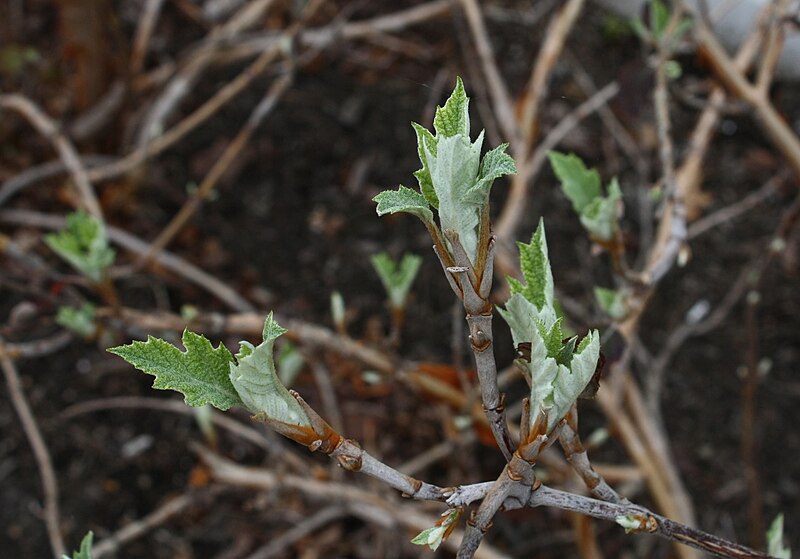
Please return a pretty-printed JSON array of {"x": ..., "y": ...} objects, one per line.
[
  {"x": 255, "y": 380},
  {"x": 404, "y": 200},
  {"x": 200, "y": 373}
]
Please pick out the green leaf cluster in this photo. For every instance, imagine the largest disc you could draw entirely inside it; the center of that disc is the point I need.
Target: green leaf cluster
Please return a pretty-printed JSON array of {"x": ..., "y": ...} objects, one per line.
[
  {"x": 582, "y": 186},
  {"x": 396, "y": 277},
  {"x": 453, "y": 180},
  {"x": 84, "y": 245},
  {"x": 559, "y": 370},
  {"x": 85, "y": 551},
  {"x": 208, "y": 375}
]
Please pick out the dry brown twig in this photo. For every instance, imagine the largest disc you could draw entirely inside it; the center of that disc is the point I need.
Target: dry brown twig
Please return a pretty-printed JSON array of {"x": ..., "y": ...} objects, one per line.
[
  {"x": 47, "y": 128},
  {"x": 52, "y": 516}
]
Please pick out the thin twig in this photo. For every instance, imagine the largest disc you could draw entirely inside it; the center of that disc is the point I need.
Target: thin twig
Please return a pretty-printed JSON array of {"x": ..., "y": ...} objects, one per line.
[
  {"x": 111, "y": 545},
  {"x": 47, "y": 128},
  {"x": 299, "y": 531},
  {"x": 402, "y": 514},
  {"x": 129, "y": 242},
  {"x": 52, "y": 516},
  {"x": 555, "y": 38},
  {"x": 192, "y": 204},
  {"x": 144, "y": 30},
  {"x": 776, "y": 128},
  {"x": 501, "y": 99},
  {"x": 266, "y": 440}
]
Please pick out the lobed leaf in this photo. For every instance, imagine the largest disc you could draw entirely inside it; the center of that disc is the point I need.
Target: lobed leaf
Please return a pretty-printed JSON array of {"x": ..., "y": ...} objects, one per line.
[
  {"x": 580, "y": 185},
  {"x": 404, "y": 200},
  {"x": 495, "y": 164},
  {"x": 200, "y": 373}
]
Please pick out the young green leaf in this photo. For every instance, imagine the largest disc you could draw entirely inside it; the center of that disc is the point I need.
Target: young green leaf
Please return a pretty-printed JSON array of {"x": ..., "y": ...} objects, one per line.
[
  {"x": 453, "y": 179},
  {"x": 85, "y": 551},
  {"x": 426, "y": 143},
  {"x": 396, "y": 278},
  {"x": 80, "y": 320},
  {"x": 435, "y": 535},
  {"x": 454, "y": 170},
  {"x": 559, "y": 372},
  {"x": 84, "y": 245},
  {"x": 600, "y": 216},
  {"x": 404, "y": 200},
  {"x": 612, "y": 302},
  {"x": 201, "y": 373},
  {"x": 254, "y": 379},
  {"x": 570, "y": 382},
  {"x": 775, "y": 546},
  {"x": 453, "y": 118},
  {"x": 535, "y": 266},
  {"x": 581, "y": 185}
]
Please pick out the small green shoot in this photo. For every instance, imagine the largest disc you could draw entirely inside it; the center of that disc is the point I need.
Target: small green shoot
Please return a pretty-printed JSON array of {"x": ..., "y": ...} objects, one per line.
[
  {"x": 84, "y": 245},
  {"x": 598, "y": 213},
  {"x": 78, "y": 320},
  {"x": 559, "y": 368},
  {"x": 775, "y": 546},
  {"x": 453, "y": 180},
  {"x": 85, "y": 551},
  {"x": 654, "y": 31},
  {"x": 611, "y": 301},
  {"x": 435, "y": 535},
  {"x": 397, "y": 277}
]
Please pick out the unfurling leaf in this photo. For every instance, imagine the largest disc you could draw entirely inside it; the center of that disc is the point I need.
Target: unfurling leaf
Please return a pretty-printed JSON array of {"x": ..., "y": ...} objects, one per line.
[
  {"x": 85, "y": 551},
  {"x": 775, "y": 546},
  {"x": 435, "y": 535},
  {"x": 598, "y": 213},
  {"x": 200, "y": 373},
  {"x": 535, "y": 266},
  {"x": 257, "y": 384},
  {"x": 84, "y": 245},
  {"x": 396, "y": 278},
  {"x": 559, "y": 371},
  {"x": 453, "y": 180}
]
